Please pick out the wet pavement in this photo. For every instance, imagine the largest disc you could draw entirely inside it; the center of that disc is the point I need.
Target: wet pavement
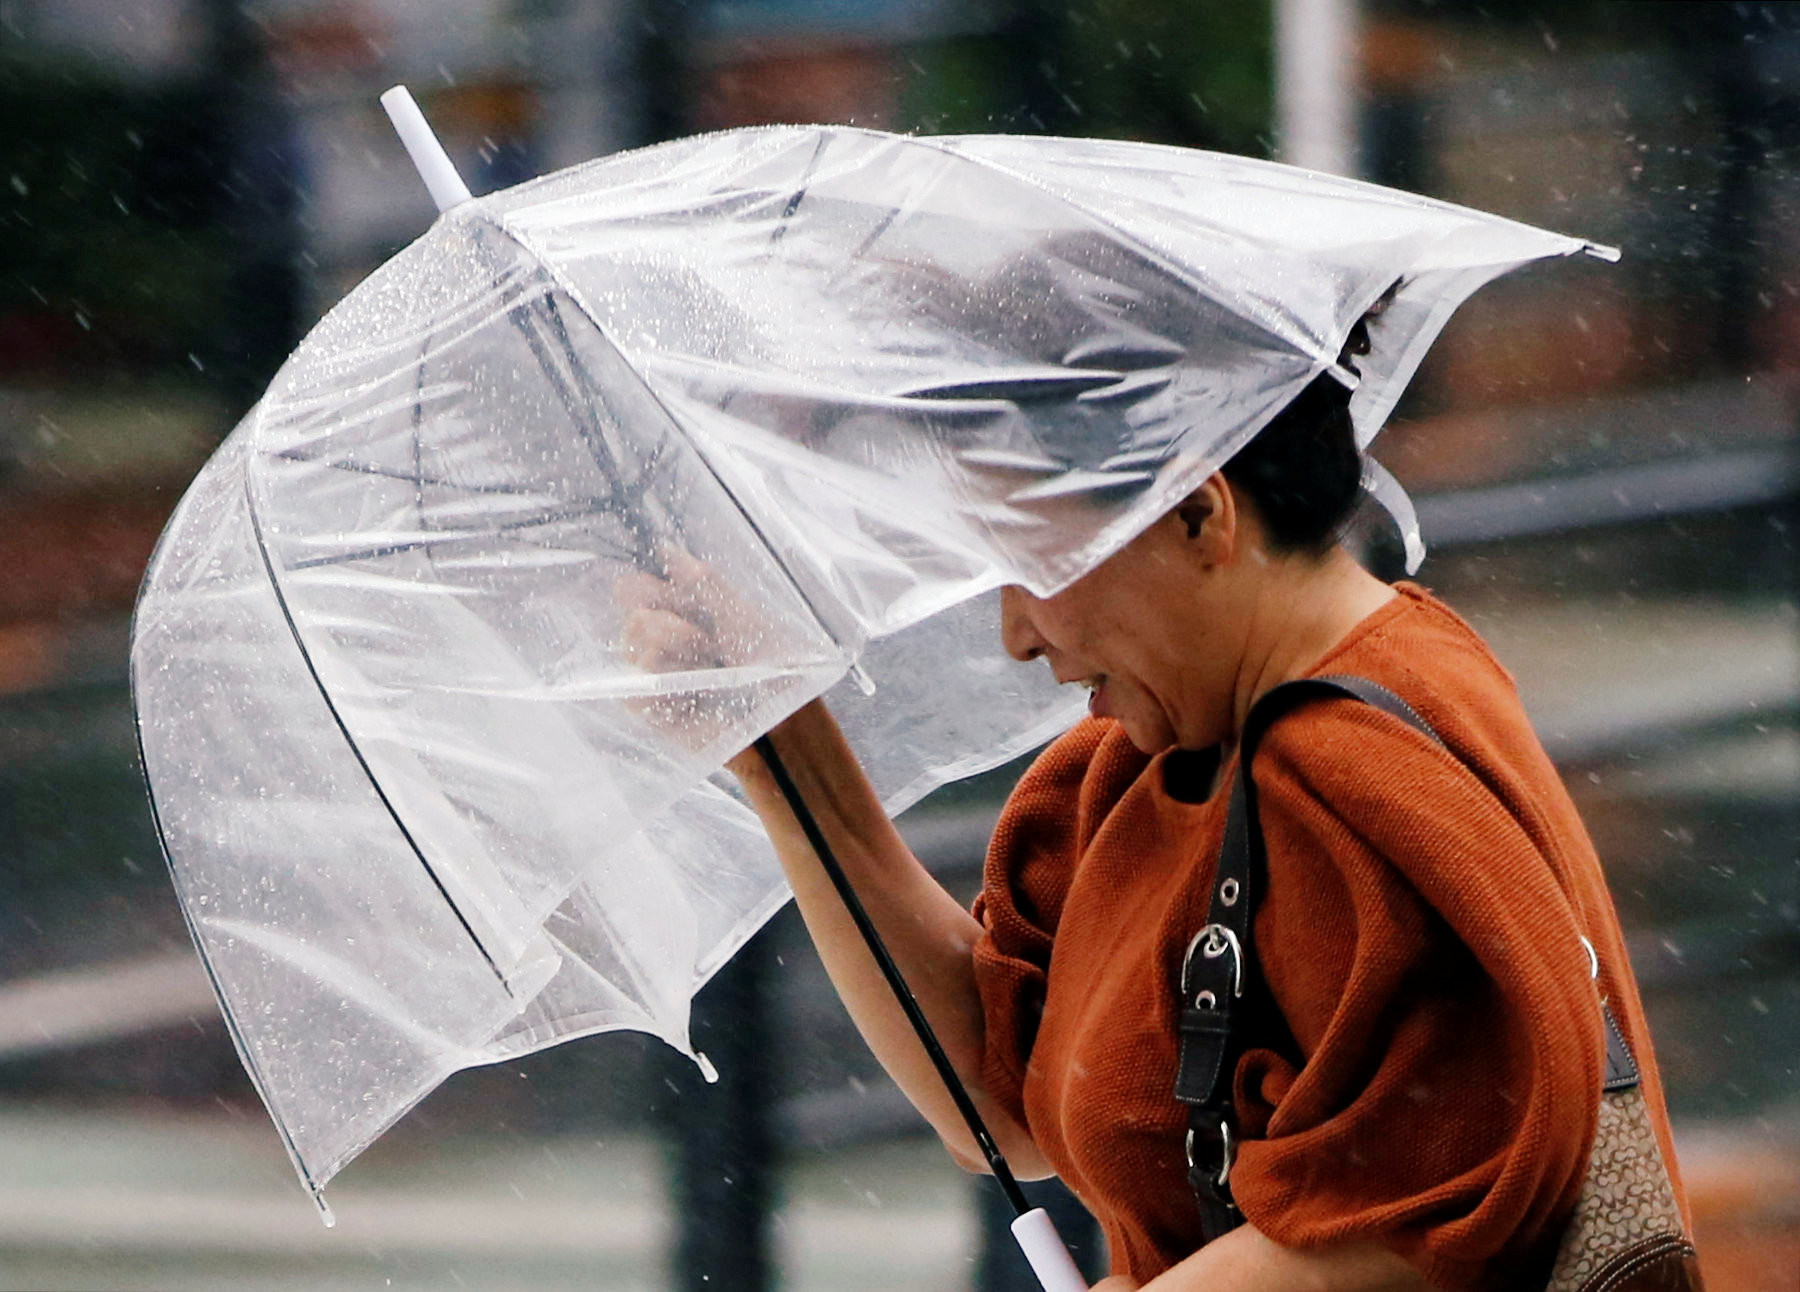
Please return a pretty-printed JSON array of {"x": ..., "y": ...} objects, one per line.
[{"x": 127, "y": 1199}]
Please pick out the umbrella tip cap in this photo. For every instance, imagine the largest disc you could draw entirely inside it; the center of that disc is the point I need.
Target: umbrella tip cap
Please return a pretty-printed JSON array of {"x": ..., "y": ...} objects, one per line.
[
  {"x": 428, "y": 155},
  {"x": 326, "y": 1215}
]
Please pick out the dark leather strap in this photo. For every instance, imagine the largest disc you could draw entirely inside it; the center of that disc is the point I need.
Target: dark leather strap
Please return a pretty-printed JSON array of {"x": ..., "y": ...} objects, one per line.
[
  {"x": 1664, "y": 1263},
  {"x": 1621, "y": 1068},
  {"x": 1220, "y": 984}
]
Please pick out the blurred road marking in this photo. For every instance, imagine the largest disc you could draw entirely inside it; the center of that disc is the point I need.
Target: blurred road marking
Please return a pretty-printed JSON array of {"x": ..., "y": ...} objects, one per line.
[
  {"x": 83, "y": 1006},
  {"x": 144, "y": 1220},
  {"x": 1598, "y": 678},
  {"x": 139, "y": 1191},
  {"x": 1613, "y": 496}
]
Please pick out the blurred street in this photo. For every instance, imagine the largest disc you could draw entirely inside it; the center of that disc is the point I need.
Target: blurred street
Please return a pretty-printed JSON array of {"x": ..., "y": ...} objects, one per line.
[
  {"x": 1605, "y": 459},
  {"x": 208, "y": 1202}
]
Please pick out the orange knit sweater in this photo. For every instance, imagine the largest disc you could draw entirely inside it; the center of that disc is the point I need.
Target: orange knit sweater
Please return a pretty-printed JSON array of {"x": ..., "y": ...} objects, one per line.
[{"x": 1433, "y": 1083}]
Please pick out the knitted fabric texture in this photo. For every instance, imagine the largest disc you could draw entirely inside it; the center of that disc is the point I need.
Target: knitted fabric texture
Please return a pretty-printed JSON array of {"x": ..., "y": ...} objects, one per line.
[{"x": 1433, "y": 1078}]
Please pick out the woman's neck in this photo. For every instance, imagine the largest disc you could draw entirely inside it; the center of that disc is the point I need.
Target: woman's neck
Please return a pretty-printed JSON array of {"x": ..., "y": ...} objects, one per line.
[{"x": 1303, "y": 607}]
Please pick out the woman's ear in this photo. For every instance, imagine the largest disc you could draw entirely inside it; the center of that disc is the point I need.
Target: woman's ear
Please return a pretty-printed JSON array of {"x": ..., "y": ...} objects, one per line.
[{"x": 1209, "y": 520}]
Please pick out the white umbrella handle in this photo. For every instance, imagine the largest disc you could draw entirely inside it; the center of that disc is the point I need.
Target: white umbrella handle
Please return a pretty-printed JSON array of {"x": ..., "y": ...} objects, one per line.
[
  {"x": 1043, "y": 1247},
  {"x": 435, "y": 166}
]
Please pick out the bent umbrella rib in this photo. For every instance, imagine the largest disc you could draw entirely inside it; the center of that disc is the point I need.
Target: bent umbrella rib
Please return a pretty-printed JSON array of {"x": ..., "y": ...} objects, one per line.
[
  {"x": 239, "y": 1041},
  {"x": 262, "y": 551},
  {"x": 556, "y": 275}
]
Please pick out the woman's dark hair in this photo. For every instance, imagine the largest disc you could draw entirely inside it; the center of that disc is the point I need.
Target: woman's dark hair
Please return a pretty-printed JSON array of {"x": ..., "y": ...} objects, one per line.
[{"x": 1303, "y": 470}]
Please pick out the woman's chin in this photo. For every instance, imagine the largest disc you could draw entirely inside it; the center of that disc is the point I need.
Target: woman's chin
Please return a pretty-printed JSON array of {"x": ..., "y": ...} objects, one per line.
[
  {"x": 1148, "y": 733},
  {"x": 1147, "y": 737}
]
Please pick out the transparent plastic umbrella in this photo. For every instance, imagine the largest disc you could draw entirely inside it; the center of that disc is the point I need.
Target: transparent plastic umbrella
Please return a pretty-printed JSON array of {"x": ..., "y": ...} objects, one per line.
[{"x": 421, "y": 811}]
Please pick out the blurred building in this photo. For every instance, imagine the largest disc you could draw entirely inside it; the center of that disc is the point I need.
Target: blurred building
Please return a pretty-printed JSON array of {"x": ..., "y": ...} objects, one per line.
[{"x": 1605, "y": 458}]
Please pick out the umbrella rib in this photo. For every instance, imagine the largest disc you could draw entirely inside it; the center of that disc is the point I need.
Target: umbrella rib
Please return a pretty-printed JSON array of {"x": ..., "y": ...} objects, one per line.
[
  {"x": 445, "y": 537},
  {"x": 631, "y": 494},
  {"x": 881, "y": 227},
  {"x": 418, "y": 442},
  {"x": 238, "y": 1040},
  {"x": 577, "y": 395},
  {"x": 799, "y": 194},
  {"x": 356, "y": 752},
  {"x": 712, "y": 470},
  {"x": 580, "y": 413},
  {"x": 421, "y": 479},
  {"x": 909, "y": 1004}
]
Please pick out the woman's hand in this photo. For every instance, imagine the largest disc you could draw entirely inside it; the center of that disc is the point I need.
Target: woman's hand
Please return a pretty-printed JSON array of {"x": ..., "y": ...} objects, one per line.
[
  {"x": 690, "y": 620},
  {"x": 686, "y": 618},
  {"x": 1117, "y": 1283}
]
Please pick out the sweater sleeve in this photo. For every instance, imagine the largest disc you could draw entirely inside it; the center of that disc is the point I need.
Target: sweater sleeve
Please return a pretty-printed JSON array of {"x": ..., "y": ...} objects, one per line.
[
  {"x": 1446, "y": 1059},
  {"x": 1030, "y": 861}
]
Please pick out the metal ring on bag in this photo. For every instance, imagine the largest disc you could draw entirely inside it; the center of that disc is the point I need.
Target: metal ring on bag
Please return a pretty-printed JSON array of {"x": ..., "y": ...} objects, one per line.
[
  {"x": 1228, "y": 1153},
  {"x": 1219, "y": 939},
  {"x": 1228, "y": 892},
  {"x": 1212, "y": 943}
]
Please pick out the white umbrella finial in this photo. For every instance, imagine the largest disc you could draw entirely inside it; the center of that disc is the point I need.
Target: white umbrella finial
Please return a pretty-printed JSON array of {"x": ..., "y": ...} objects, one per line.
[{"x": 435, "y": 166}]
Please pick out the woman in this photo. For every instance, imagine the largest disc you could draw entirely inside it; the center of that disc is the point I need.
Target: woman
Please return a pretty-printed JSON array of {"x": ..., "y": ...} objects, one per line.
[{"x": 1420, "y": 1112}]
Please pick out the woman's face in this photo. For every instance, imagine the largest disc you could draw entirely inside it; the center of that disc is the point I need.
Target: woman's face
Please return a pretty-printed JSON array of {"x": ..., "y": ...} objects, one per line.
[{"x": 1149, "y": 631}]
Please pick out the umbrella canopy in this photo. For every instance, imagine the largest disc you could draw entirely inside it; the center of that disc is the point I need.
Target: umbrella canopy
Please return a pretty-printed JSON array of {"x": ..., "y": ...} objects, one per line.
[{"x": 420, "y": 810}]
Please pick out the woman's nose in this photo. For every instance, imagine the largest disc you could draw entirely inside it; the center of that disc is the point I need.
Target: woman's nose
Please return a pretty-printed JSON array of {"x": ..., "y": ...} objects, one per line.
[{"x": 1017, "y": 633}]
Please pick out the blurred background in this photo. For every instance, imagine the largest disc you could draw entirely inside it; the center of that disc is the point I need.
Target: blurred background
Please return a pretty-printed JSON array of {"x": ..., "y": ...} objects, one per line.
[{"x": 1605, "y": 459}]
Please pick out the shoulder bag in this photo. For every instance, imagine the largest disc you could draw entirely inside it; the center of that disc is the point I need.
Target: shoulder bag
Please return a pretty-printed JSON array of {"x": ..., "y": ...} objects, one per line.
[{"x": 1626, "y": 1232}]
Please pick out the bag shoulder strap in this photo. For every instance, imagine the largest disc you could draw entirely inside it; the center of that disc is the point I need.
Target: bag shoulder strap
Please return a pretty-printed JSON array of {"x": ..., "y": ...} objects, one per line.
[{"x": 1219, "y": 982}]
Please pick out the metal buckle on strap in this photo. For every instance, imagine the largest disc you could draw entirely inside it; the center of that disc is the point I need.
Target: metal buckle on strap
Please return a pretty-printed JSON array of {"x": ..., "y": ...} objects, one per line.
[
  {"x": 1227, "y": 1153},
  {"x": 1212, "y": 942}
]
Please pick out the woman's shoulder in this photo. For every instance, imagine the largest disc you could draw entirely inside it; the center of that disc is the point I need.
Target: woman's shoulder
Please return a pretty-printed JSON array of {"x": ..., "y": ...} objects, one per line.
[
  {"x": 1428, "y": 655},
  {"x": 1416, "y": 634},
  {"x": 1355, "y": 759},
  {"x": 1379, "y": 771}
]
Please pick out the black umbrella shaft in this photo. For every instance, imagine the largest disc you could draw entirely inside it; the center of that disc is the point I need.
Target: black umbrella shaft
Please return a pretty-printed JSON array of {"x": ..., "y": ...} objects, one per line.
[{"x": 896, "y": 982}]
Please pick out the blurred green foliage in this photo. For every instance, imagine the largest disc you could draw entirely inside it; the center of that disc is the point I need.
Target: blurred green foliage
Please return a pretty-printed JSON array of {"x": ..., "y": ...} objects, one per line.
[
  {"x": 113, "y": 254},
  {"x": 1165, "y": 71}
]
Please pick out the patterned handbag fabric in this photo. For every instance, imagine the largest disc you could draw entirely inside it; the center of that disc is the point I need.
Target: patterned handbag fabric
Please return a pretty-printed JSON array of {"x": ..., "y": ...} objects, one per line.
[{"x": 1626, "y": 1234}]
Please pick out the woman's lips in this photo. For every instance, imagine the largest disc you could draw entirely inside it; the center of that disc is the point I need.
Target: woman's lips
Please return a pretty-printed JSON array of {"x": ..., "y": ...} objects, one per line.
[{"x": 1096, "y": 689}]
